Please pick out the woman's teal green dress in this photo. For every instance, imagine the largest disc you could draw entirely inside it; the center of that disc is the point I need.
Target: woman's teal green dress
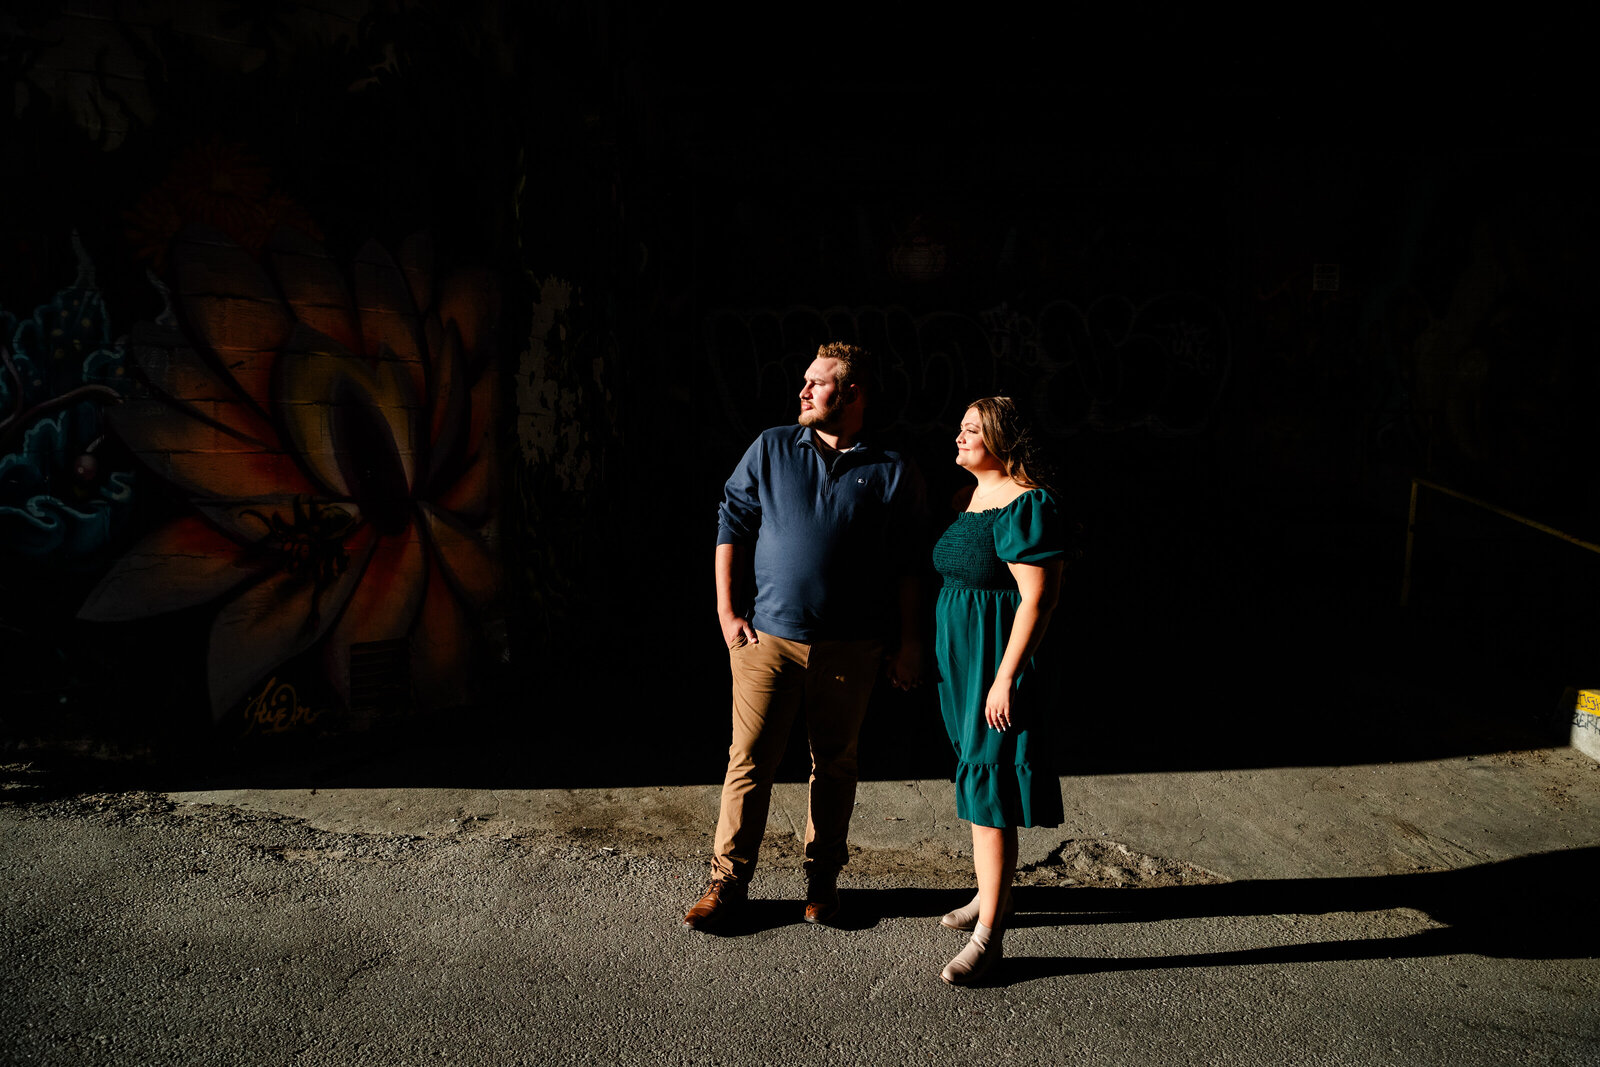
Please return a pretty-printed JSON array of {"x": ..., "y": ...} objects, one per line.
[{"x": 1003, "y": 778}]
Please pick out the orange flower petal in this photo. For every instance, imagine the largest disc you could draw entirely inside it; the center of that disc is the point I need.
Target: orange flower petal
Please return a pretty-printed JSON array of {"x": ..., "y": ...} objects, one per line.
[
  {"x": 471, "y": 299},
  {"x": 232, "y": 306},
  {"x": 390, "y": 329},
  {"x": 182, "y": 564},
  {"x": 416, "y": 262},
  {"x": 470, "y": 494},
  {"x": 384, "y": 605},
  {"x": 485, "y": 412},
  {"x": 354, "y": 425},
  {"x": 449, "y": 421},
  {"x": 314, "y": 286},
  {"x": 433, "y": 337},
  {"x": 468, "y": 563},
  {"x": 441, "y": 647},
  {"x": 271, "y": 621},
  {"x": 171, "y": 364},
  {"x": 203, "y": 455}
]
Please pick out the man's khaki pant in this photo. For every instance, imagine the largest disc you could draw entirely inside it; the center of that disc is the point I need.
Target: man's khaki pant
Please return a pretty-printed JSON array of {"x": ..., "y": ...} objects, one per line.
[{"x": 772, "y": 680}]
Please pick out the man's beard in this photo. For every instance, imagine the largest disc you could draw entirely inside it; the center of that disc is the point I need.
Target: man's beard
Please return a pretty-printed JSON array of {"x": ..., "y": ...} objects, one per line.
[{"x": 820, "y": 418}]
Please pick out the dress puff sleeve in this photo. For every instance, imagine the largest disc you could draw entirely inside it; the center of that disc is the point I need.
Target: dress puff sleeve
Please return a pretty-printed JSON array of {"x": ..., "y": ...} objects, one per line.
[{"x": 1031, "y": 530}]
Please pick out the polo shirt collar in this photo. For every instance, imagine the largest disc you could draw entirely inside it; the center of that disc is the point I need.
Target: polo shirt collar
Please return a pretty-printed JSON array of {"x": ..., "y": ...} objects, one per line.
[{"x": 804, "y": 436}]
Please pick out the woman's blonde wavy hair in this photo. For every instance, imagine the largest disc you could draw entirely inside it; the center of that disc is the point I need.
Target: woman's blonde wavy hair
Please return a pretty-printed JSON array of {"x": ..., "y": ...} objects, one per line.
[{"x": 1010, "y": 439}]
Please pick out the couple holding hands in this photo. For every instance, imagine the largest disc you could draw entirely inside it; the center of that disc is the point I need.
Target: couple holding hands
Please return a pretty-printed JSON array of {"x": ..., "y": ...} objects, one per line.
[{"x": 818, "y": 562}]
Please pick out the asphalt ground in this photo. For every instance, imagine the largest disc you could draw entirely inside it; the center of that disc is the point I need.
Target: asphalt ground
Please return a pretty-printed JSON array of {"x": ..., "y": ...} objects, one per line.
[{"x": 1421, "y": 912}]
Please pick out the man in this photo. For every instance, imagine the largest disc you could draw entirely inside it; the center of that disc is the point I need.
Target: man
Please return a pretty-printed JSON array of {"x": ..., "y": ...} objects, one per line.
[{"x": 830, "y": 527}]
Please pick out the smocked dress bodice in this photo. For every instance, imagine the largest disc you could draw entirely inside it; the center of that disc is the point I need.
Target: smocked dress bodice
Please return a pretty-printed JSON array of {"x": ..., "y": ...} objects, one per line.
[{"x": 965, "y": 556}]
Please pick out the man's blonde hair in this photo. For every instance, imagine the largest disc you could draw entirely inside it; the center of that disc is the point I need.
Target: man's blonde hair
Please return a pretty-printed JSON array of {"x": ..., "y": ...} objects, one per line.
[{"x": 855, "y": 364}]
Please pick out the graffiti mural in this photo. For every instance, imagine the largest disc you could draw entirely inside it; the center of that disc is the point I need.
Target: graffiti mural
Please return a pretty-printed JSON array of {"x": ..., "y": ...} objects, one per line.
[
  {"x": 60, "y": 500},
  {"x": 282, "y": 479},
  {"x": 1159, "y": 364},
  {"x": 331, "y": 431}
]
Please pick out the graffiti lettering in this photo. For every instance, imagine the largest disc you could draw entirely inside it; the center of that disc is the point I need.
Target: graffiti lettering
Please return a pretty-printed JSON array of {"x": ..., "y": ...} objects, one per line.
[
  {"x": 277, "y": 709},
  {"x": 1190, "y": 346},
  {"x": 1118, "y": 364}
]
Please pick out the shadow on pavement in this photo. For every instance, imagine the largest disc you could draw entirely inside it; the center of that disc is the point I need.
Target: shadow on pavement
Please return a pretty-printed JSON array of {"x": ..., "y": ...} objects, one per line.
[
  {"x": 1532, "y": 907},
  {"x": 1522, "y": 908}
]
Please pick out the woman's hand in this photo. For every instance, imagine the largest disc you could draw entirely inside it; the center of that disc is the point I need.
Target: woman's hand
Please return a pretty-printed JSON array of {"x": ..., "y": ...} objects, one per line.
[
  {"x": 1038, "y": 587},
  {"x": 997, "y": 707}
]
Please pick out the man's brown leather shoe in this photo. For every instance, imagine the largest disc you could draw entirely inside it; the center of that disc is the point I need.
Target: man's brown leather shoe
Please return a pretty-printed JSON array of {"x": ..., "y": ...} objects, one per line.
[
  {"x": 721, "y": 899},
  {"x": 822, "y": 897}
]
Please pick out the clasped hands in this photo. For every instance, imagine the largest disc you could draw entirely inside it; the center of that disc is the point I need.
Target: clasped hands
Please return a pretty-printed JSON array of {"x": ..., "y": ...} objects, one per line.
[{"x": 905, "y": 665}]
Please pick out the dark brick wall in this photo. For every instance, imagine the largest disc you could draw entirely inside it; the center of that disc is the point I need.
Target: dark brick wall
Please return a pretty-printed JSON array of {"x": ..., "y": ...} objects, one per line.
[{"x": 378, "y": 362}]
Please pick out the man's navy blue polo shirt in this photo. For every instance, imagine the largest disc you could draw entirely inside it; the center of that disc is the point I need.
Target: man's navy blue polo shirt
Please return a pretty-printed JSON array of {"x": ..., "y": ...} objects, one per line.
[{"x": 831, "y": 539}]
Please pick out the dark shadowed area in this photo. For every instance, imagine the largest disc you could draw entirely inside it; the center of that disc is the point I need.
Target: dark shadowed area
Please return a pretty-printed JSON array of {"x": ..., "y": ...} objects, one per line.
[{"x": 372, "y": 370}]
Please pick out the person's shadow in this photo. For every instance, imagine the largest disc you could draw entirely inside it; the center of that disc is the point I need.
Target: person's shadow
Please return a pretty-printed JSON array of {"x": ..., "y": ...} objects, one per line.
[{"x": 1532, "y": 907}]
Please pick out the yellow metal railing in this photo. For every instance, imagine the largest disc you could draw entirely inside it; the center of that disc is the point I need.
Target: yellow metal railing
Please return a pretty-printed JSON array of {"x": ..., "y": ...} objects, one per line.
[{"x": 1411, "y": 526}]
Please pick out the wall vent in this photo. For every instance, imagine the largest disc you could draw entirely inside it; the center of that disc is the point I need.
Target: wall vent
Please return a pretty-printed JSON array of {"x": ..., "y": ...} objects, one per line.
[{"x": 380, "y": 680}]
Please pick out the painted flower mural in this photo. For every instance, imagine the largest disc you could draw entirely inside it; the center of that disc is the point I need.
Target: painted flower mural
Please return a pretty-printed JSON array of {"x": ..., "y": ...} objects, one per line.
[
  {"x": 58, "y": 369},
  {"x": 333, "y": 432}
]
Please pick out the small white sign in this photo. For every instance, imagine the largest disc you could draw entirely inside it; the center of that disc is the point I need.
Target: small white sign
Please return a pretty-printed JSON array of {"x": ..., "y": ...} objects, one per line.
[{"x": 1586, "y": 723}]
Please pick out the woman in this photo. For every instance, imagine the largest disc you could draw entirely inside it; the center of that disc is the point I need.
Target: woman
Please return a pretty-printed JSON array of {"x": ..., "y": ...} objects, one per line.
[{"x": 1001, "y": 561}]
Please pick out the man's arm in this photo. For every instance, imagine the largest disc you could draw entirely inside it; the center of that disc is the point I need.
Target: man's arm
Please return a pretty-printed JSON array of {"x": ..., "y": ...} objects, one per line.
[
  {"x": 909, "y": 539},
  {"x": 738, "y": 526},
  {"x": 733, "y": 563},
  {"x": 906, "y": 662}
]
